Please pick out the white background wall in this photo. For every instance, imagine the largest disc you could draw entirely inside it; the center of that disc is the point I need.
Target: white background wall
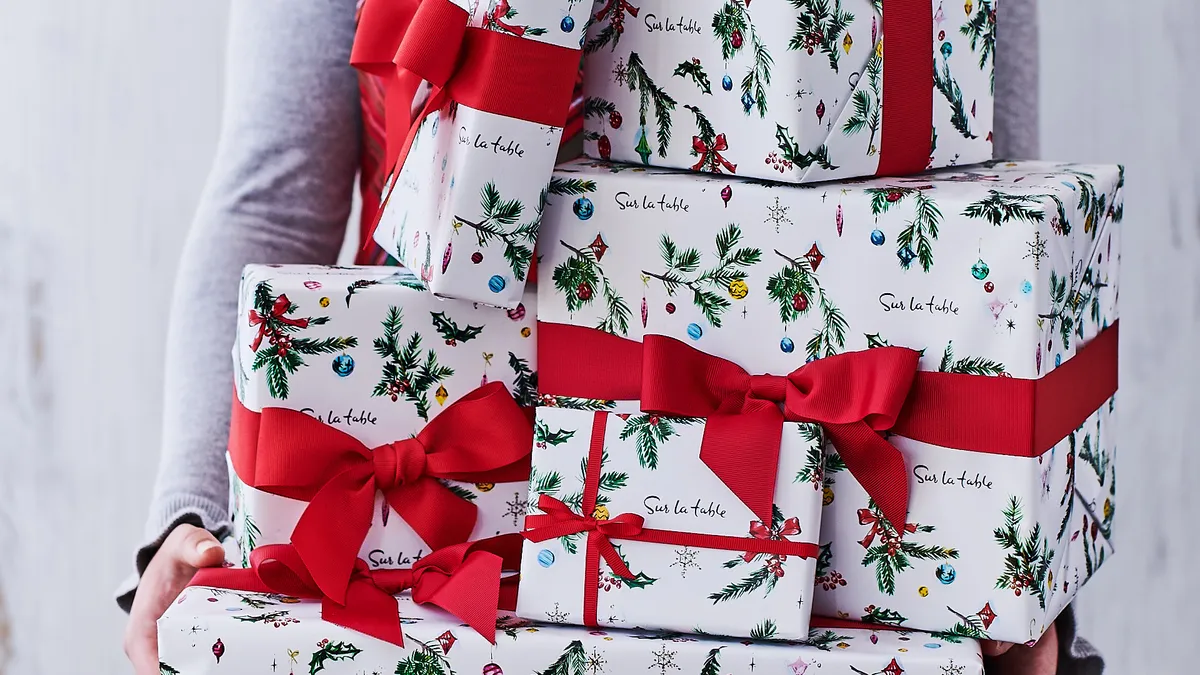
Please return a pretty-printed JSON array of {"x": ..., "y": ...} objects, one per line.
[{"x": 108, "y": 118}]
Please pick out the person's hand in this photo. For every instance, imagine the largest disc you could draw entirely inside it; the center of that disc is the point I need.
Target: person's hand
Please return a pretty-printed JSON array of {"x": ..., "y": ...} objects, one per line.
[
  {"x": 185, "y": 550},
  {"x": 1005, "y": 658}
]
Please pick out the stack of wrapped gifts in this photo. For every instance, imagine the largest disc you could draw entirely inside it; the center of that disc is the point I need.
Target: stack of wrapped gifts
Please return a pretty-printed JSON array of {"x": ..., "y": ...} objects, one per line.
[{"x": 797, "y": 376}]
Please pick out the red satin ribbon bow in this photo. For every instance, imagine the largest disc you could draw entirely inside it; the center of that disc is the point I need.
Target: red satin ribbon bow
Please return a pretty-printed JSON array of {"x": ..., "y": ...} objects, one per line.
[
  {"x": 711, "y": 156},
  {"x": 464, "y": 580},
  {"x": 558, "y": 520},
  {"x": 410, "y": 41},
  {"x": 483, "y": 437},
  {"x": 278, "y": 314}
]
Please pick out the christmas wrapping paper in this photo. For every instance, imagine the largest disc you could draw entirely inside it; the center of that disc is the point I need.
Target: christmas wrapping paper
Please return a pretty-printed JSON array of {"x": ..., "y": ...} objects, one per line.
[
  {"x": 336, "y": 370},
  {"x": 1005, "y": 269},
  {"x": 463, "y": 211},
  {"x": 651, "y": 467},
  {"x": 215, "y": 631},
  {"x": 793, "y": 92}
]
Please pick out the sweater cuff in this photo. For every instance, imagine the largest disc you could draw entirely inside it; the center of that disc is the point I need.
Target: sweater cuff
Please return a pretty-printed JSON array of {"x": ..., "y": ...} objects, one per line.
[
  {"x": 165, "y": 517},
  {"x": 1076, "y": 656}
]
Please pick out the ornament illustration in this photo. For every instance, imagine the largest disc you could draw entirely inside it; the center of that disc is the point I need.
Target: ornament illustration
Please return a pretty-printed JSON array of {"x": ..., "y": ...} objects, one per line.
[
  {"x": 792, "y": 287},
  {"x": 498, "y": 215},
  {"x": 747, "y": 102},
  {"x": 441, "y": 395},
  {"x": 738, "y": 289},
  {"x": 496, "y": 283},
  {"x": 283, "y": 355},
  {"x": 670, "y": 308},
  {"x": 727, "y": 83},
  {"x": 583, "y": 270},
  {"x": 923, "y": 591},
  {"x": 604, "y": 146},
  {"x": 324, "y": 302},
  {"x": 446, "y": 640},
  {"x": 906, "y": 256},
  {"x": 726, "y": 194},
  {"x": 799, "y": 666},
  {"x": 989, "y": 287},
  {"x": 492, "y": 669},
  {"x": 598, "y": 247},
  {"x": 567, "y": 25},
  {"x": 814, "y": 257},
  {"x": 517, "y": 313},
  {"x": 446, "y": 257},
  {"x": 838, "y": 218},
  {"x": 615, "y": 120},
  {"x": 967, "y": 6},
  {"x": 343, "y": 365},
  {"x": 683, "y": 273},
  {"x": 476, "y": 257},
  {"x": 820, "y": 111},
  {"x": 974, "y": 626},
  {"x": 485, "y": 487},
  {"x": 947, "y": 50},
  {"x": 645, "y": 312},
  {"x": 583, "y": 208},
  {"x": 694, "y": 331},
  {"x": 312, "y": 285},
  {"x": 405, "y": 374},
  {"x": 787, "y": 346},
  {"x": 877, "y": 237},
  {"x": 736, "y": 39},
  {"x": 980, "y": 270},
  {"x": 218, "y": 649},
  {"x": 894, "y": 553},
  {"x": 847, "y": 43},
  {"x": 945, "y": 573}
]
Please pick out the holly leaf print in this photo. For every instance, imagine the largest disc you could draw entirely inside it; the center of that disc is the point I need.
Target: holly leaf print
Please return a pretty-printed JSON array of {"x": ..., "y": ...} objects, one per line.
[{"x": 449, "y": 330}]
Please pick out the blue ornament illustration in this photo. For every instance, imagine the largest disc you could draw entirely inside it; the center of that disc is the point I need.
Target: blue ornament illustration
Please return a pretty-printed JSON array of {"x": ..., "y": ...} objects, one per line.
[
  {"x": 695, "y": 331},
  {"x": 980, "y": 270},
  {"x": 1057, "y": 360},
  {"x": 584, "y": 208},
  {"x": 945, "y": 573},
  {"x": 545, "y": 557},
  {"x": 932, "y": 645},
  {"x": 1027, "y": 288},
  {"x": 877, "y": 237},
  {"x": 747, "y": 101},
  {"x": 947, "y": 50},
  {"x": 568, "y": 24},
  {"x": 343, "y": 365},
  {"x": 727, "y": 83},
  {"x": 906, "y": 256},
  {"x": 496, "y": 283},
  {"x": 787, "y": 345}
]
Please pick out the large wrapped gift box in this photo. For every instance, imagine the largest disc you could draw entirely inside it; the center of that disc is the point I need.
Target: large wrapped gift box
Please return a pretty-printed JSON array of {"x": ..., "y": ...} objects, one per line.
[
  {"x": 216, "y": 631},
  {"x": 463, "y": 208},
  {"x": 1002, "y": 278},
  {"x": 804, "y": 91},
  {"x": 341, "y": 369}
]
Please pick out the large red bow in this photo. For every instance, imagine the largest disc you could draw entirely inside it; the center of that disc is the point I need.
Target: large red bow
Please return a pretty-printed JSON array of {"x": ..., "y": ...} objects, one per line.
[
  {"x": 410, "y": 41},
  {"x": 465, "y": 580},
  {"x": 483, "y": 437},
  {"x": 278, "y": 314},
  {"x": 710, "y": 156}
]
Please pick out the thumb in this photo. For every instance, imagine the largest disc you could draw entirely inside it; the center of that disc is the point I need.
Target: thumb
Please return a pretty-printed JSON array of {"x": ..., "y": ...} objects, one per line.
[{"x": 199, "y": 548}]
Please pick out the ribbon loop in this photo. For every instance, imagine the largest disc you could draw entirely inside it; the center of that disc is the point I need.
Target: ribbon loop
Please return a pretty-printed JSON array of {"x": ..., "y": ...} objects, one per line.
[
  {"x": 433, "y": 43},
  {"x": 396, "y": 464},
  {"x": 772, "y": 388}
]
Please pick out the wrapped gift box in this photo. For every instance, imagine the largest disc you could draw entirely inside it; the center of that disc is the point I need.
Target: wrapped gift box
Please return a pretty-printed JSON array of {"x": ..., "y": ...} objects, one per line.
[
  {"x": 651, "y": 467},
  {"x": 464, "y": 209},
  {"x": 373, "y": 355},
  {"x": 216, "y": 631},
  {"x": 797, "y": 92},
  {"x": 1003, "y": 272}
]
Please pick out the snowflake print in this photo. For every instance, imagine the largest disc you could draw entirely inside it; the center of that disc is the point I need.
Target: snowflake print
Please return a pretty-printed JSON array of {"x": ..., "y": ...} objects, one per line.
[
  {"x": 620, "y": 71},
  {"x": 952, "y": 669},
  {"x": 517, "y": 508},
  {"x": 685, "y": 558},
  {"x": 557, "y": 616},
  {"x": 1037, "y": 250},
  {"x": 664, "y": 659},
  {"x": 595, "y": 662},
  {"x": 777, "y": 214}
]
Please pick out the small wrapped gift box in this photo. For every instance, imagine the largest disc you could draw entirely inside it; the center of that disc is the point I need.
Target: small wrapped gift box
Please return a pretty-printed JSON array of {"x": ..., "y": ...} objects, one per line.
[
  {"x": 213, "y": 630},
  {"x": 947, "y": 340},
  {"x": 374, "y": 419},
  {"x": 632, "y": 528},
  {"x": 799, "y": 91},
  {"x": 469, "y": 171}
]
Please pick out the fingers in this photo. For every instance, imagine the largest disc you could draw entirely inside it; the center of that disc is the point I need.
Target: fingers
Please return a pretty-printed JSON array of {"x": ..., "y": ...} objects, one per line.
[
  {"x": 993, "y": 648},
  {"x": 196, "y": 547},
  {"x": 141, "y": 645},
  {"x": 1009, "y": 659}
]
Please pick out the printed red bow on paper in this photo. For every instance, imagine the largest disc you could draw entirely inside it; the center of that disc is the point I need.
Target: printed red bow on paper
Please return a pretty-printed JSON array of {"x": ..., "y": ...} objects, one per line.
[
  {"x": 711, "y": 156},
  {"x": 483, "y": 437},
  {"x": 464, "y": 580},
  {"x": 866, "y": 517},
  {"x": 279, "y": 311}
]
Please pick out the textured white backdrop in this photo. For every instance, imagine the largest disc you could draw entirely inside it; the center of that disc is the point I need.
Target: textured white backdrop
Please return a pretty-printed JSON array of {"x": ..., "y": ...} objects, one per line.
[{"x": 108, "y": 117}]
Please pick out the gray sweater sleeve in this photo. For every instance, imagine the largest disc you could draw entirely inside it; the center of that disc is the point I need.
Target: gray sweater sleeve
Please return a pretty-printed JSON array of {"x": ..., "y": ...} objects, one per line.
[{"x": 280, "y": 192}]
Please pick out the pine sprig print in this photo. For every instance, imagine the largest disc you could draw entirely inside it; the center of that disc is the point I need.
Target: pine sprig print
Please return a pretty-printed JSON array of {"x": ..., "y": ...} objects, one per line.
[
  {"x": 751, "y": 583},
  {"x": 525, "y": 381},
  {"x": 548, "y": 483},
  {"x": 1029, "y": 557},
  {"x": 426, "y": 659},
  {"x": 570, "y": 186},
  {"x": 573, "y": 403},
  {"x": 915, "y": 241},
  {"x": 694, "y": 71},
  {"x": 610, "y": 481},
  {"x": 405, "y": 374},
  {"x": 789, "y": 149},
  {"x": 613, "y": 12},
  {"x": 868, "y": 103},
  {"x": 498, "y": 214},
  {"x": 971, "y": 365},
  {"x": 712, "y": 662},
  {"x": 891, "y": 555},
  {"x": 946, "y": 84},
  {"x": 1060, "y": 316},
  {"x": 572, "y": 661},
  {"x": 1096, "y": 458},
  {"x": 825, "y": 639},
  {"x": 792, "y": 289},
  {"x": 820, "y": 27},
  {"x": 282, "y": 355},
  {"x": 972, "y": 626},
  {"x": 981, "y": 29},
  {"x": 764, "y": 630},
  {"x": 267, "y": 617},
  {"x": 165, "y": 669},
  {"x": 331, "y": 651},
  {"x": 999, "y": 208},
  {"x": 772, "y": 566},
  {"x": 637, "y": 79},
  {"x": 731, "y": 24},
  {"x": 650, "y": 432},
  {"x": 683, "y": 271},
  {"x": 577, "y": 280},
  {"x": 250, "y": 535}
]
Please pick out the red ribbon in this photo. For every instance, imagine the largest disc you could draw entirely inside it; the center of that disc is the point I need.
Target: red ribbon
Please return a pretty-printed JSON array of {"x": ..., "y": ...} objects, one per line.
[
  {"x": 410, "y": 41},
  {"x": 483, "y": 437},
  {"x": 278, "y": 312},
  {"x": 464, "y": 580},
  {"x": 854, "y": 396},
  {"x": 907, "y": 139},
  {"x": 711, "y": 156},
  {"x": 558, "y": 520}
]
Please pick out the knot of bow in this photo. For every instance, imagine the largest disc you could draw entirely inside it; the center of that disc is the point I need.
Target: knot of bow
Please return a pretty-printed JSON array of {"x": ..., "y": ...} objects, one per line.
[
  {"x": 558, "y": 520},
  {"x": 710, "y": 155},
  {"x": 483, "y": 437},
  {"x": 278, "y": 314},
  {"x": 465, "y": 580}
]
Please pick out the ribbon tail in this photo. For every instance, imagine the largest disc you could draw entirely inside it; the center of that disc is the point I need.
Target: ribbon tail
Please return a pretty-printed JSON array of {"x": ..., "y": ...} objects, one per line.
[
  {"x": 438, "y": 516},
  {"x": 609, "y": 553},
  {"x": 472, "y": 593},
  {"x": 367, "y": 610},
  {"x": 877, "y": 465},
  {"x": 332, "y": 529},
  {"x": 743, "y": 451}
]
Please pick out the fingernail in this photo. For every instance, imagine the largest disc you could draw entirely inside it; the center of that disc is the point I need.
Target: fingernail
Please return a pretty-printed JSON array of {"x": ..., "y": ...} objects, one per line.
[{"x": 205, "y": 545}]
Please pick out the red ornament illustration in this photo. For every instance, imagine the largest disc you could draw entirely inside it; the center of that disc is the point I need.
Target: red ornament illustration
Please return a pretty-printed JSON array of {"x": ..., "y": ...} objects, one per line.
[
  {"x": 736, "y": 39},
  {"x": 820, "y": 111},
  {"x": 446, "y": 257},
  {"x": 987, "y": 616},
  {"x": 476, "y": 257},
  {"x": 839, "y": 220},
  {"x": 799, "y": 302},
  {"x": 814, "y": 257},
  {"x": 614, "y": 119},
  {"x": 670, "y": 308},
  {"x": 727, "y": 194},
  {"x": 605, "y": 147},
  {"x": 446, "y": 641},
  {"x": 599, "y": 248},
  {"x": 218, "y": 649},
  {"x": 584, "y": 291}
]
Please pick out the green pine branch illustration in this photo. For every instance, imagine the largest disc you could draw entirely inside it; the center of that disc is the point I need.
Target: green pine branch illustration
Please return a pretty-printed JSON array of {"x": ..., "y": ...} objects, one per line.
[
  {"x": 1066, "y": 503},
  {"x": 712, "y": 662},
  {"x": 821, "y": 461},
  {"x": 1096, "y": 458},
  {"x": 868, "y": 103},
  {"x": 405, "y": 374},
  {"x": 883, "y": 616},
  {"x": 683, "y": 271},
  {"x": 770, "y": 571},
  {"x": 764, "y": 630},
  {"x": 999, "y": 208},
  {"x": 650, "y": 432},
  {"x": 970, "y": 365},
  {"x": 525, "y": 381},
  {"x": 573, "y": 660},
  {"x": 577, "y": 279},
  {"x": 613, "y": 12},
  {"x": 283, "y": 354},
  {"x": 693, "y": 70},
  {"x": 570, "y": 186},
  {"x": 267, "y": 617},
  {"x": 792, "y": 289},
  {"x": 250, "y": 535},
  {"x": 946, "y": 84},
  {"x": 789, "y": 149},
  {"x": 593, "y": 106},
  {"x": 1029, "y": 557},
  {"x": 331, "y": 651},
  {"x": 1061, "y": 314},
  {"x": 730, "y": 25},
  {"x": 915, "y": 241},
  {"x": 825, "y": 639},
  {"x": 498, "y": 214},
  {"x": 459, "y": 490},
  {"x": 892, "y": 555},
  {"x": 819, "y": 27},
  {"x": 610, "y": 481},
  {"x": 427, "y": 658},
  {"x": 637, "y": 79},
  {"x": 969, "y": 626},
  {"x": 545, "y": 437},
  {"x": 166, "y": 669},
  {"x": 981, "y": 29},
  {"x": 548, "y": 483},
  {"x": 573, "y": 403}
]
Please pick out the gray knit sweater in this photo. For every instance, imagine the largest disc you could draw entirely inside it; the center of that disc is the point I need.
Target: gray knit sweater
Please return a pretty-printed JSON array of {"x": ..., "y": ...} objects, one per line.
[{"x": 280, "y": 192}]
